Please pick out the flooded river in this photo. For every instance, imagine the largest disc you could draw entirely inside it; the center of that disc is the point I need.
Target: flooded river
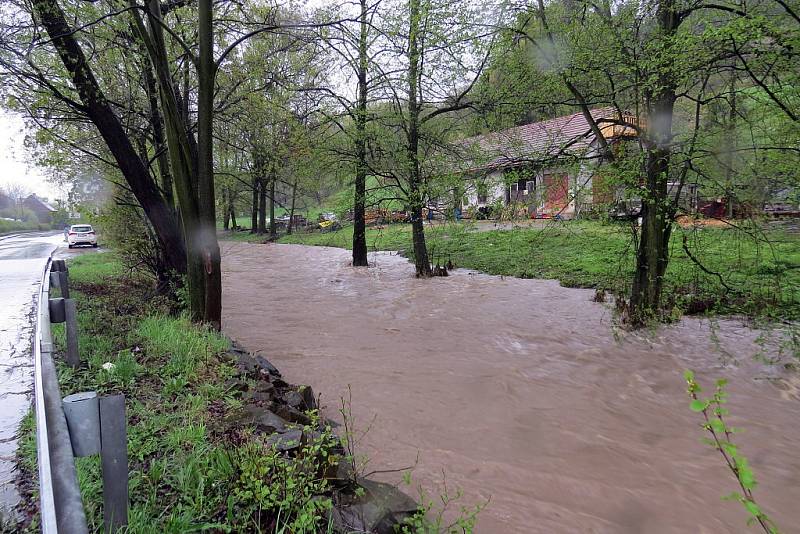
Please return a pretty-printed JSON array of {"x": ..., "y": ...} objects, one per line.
[{"x": 520, "y": 392}]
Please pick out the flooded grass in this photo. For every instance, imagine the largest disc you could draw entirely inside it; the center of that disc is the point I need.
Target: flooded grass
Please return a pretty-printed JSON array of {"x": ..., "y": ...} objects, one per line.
[{"x": 761, "y": 266}]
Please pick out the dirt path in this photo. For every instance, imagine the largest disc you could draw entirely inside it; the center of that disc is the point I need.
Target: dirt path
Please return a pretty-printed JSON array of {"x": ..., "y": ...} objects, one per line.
[{"x": 519, "y": 391}]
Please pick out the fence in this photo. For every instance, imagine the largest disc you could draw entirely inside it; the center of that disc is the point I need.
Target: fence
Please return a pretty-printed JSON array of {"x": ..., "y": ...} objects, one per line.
[{"x": 78, "y": 425}]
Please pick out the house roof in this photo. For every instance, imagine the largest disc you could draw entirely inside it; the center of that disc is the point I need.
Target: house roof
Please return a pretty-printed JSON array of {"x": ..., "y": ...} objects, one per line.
[
  {"x": 35, "y": 202},
  {"x": 561, "y": 137}
]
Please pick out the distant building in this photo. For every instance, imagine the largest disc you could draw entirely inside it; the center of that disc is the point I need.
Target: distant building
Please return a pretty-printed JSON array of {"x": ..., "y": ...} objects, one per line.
[
  {"x": 545, "y": 169},
  {"x": 44, "y": 211}
]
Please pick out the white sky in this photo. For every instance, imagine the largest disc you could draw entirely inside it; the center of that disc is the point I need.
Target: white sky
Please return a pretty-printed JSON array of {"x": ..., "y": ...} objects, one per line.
[{"x": 16, "y": 165}]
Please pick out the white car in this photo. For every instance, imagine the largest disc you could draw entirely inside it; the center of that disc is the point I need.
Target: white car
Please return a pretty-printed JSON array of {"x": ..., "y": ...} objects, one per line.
[{"x": 81, "y": 234}]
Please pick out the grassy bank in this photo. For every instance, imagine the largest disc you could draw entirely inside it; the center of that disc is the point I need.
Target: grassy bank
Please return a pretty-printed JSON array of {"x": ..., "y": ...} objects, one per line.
[
  {"x": 193, "y": 466},
  {"x": 10, "y": 227},
  {"x": 761, "y": 268}
]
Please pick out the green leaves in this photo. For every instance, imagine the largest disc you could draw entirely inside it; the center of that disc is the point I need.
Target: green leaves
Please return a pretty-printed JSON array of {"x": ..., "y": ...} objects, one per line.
[
  {"x": 698, "y": 405},
  {"x": 720, "y": 432}
]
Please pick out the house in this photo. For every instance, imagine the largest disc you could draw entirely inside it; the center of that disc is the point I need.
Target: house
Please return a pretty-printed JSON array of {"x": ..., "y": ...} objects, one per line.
[
  {"x": 545, "y": 169},
  {"x": 44, "y": 211}
]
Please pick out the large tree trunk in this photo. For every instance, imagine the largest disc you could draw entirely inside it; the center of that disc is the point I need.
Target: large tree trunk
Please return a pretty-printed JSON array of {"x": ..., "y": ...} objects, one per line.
[
  {"x": 416, "y": 200},
  {"x": 207, "y": 231},
  {"x": 160, "y": 214},
  {"x": 359, "y": 224},
  {"x": 652, "y": 255}
]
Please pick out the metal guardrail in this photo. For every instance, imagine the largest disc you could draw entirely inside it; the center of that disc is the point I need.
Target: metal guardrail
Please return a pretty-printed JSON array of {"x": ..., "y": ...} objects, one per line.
[{"x": 61, "y": 508}]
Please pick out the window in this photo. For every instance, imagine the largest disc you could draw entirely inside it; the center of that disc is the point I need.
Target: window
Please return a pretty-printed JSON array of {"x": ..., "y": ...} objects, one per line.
[{"x": 482, "y": 192}]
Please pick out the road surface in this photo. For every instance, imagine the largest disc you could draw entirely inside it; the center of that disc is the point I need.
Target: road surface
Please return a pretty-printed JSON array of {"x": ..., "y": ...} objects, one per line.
[{"x": 22, "y": 257}]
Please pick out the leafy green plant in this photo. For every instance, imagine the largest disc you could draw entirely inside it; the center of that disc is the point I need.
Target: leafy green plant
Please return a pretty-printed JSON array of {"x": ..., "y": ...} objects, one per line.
[
  {"x": 288, "y": 488},
  {"x": 436, "y": 518},
  {"x": 714, "y": 414}
]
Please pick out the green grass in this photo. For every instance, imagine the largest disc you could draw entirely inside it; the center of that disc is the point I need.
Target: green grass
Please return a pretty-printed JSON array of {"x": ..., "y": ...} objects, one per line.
[
  {"x": 191, "y": 466},
  {"x": 8, "y": 227},
  {"x": 762, "y": 266}
]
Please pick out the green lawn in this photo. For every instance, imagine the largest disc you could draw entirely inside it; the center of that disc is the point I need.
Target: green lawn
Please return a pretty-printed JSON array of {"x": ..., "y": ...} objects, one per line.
[{"x": 763, "y": 271}]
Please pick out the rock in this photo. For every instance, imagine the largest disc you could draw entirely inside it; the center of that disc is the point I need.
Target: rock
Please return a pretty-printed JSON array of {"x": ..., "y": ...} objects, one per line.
[
  {"x": 340, "y": 474},
  {"x": 286, "y": 441},
  {"x": 377, "y": 512},
  {"x": 294, "y": 399},
  {"x": 256, "y": 365},
  {"x": 235, "y": 384},
  {"x": 308, "y": 397},
  {"x": 265, "y": 365},
  {"x": 291, "y": 414},
  {"x": 263, "y": 393},
  {"x": 264, "y": 420}
]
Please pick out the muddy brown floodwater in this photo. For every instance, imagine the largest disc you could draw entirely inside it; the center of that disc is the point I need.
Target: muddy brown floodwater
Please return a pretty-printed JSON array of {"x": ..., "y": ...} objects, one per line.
[{"x": 519, "y": 391}]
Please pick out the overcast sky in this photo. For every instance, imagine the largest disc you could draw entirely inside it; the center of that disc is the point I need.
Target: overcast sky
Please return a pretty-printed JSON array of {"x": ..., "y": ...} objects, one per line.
[{"x": 15, "y": 162}]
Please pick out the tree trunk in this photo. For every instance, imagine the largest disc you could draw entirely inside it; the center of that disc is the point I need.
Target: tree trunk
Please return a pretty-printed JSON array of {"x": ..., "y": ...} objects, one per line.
[
  {"x": 291, "y": 208},
  {"x": 159, "y": 213},
  {"x": 262, "y": 206},
  {"x": 254, "y": 205},
  {"x": 273, "y": 227},
  {"x": 226, "y": 219},
  {"x": 416, "y": 200},
  {"x": 159, "y": 142},
  {"x": 652, "y": 255},
  {"x": 232, "y": 211},
  {"x": 359, "y": 223},
  {"x": 205, "y": 151}
]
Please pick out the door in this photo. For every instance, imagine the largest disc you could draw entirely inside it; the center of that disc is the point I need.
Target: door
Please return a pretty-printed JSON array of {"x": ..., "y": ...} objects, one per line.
[{"x": 556, "y": 188}]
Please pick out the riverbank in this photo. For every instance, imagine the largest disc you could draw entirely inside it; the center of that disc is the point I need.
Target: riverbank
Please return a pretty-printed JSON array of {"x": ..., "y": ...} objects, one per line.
[
  {"x": 747, "y": 270},
  {"x": 520, "y": 392},
  {"x": 216, "y": 439}
]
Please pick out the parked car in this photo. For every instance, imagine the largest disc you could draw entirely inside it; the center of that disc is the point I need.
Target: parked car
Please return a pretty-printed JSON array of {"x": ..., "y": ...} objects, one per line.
[{"x": 81, "y": 234}]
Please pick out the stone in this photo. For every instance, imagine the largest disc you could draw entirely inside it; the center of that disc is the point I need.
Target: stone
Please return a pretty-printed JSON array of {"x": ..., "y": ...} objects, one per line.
[
  {"x": 286, "y": 441},
  {"x": 265, "y": 365},
  {"x": 309, "y": 400},
  {"x": 256, "y": 365},
  {"x": 235, "y": 384},
  {"x": 264, "y": 420},
  {"x": 294, "y": 399},
  {"x": 263, "y": 393},
  {"x": 291, "y": 414},
  {"x": 378, "y": 511}
]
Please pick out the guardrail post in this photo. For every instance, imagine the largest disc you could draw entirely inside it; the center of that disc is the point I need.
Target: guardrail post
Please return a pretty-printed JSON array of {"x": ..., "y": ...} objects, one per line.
[
  {"x": 73, "y": 359},
  {"x": 60, "y": 279},
  {"x": 58, "y": 265},
  {"x": 98, "y": 425},
  {"x": 114, "y": 461},
  {"x": 64, "y": 311},
  {"x": 82, "y": 411}
]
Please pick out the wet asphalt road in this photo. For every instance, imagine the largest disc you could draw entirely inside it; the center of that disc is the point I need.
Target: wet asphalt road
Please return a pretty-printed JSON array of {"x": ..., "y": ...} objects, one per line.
[{"x": 22, "y": 258}]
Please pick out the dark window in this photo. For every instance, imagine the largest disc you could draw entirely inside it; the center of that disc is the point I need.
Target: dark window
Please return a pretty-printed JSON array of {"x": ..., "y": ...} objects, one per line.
[{"x": 522, "y": 185}]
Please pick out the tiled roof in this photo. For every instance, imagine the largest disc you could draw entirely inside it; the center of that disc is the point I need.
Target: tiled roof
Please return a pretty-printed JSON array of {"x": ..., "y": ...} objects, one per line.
[
  {"x": 34, "y": 202},
  {"x": 565, "y": 136}
]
